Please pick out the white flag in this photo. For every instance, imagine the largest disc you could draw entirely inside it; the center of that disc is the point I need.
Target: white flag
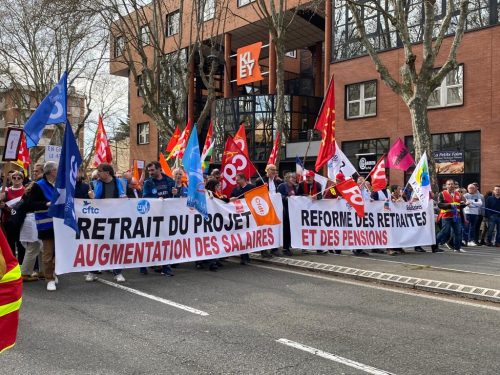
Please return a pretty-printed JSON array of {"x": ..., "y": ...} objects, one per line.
[
  {"x": 340, "y": 163},
  {"x": 420, "y": 180}
]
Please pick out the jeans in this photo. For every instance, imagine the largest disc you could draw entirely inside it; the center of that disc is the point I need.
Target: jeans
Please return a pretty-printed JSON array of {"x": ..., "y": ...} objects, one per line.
[
  {"x": 494, "y": 221},
  {"x": 449, "y": 224},
  {"x": 33, "y": 250},
  {"x": 470, "y": 227}
]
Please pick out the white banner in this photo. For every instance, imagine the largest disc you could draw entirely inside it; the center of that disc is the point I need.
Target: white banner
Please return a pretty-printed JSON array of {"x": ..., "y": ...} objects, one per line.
[
  {"x": 131, "y": 233},
  {"x": 333, "y": 224}
]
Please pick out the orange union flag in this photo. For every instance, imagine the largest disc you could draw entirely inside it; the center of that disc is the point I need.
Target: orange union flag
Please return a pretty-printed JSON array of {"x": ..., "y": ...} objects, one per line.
[
  {"x": 261, "y": 207},
  {"x": 247, "y": 64}
]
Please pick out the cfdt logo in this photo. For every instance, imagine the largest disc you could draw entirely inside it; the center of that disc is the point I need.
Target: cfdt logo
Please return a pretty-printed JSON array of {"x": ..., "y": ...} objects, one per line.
[
  {"x": 88, "y": 209},
  {"x": 143, "y": 206}
]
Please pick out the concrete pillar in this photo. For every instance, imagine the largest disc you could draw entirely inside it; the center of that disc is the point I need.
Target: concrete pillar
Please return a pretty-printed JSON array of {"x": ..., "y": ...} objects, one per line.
[
  {"x": 318, "y": 69},
  {"x": 227, "y": 67}
]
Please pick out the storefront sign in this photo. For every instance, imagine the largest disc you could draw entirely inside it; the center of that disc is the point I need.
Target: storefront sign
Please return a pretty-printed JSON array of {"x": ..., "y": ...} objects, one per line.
[
  {"x": 449, "y": 162},
  {"x": 247, "y": 64},
  {"x": 366, "y": 162}
]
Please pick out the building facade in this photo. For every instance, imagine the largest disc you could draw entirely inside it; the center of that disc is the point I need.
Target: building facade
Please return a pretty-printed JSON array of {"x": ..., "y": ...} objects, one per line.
[
  {"x": 16, "y": 108},
  {"x": 463, "y": 113}
]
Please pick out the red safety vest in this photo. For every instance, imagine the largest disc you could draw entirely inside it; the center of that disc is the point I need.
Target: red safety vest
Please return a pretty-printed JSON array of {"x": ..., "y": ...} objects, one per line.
[
  {"x": 455, "y": 199},
  {"x": 11, "y": 289}
]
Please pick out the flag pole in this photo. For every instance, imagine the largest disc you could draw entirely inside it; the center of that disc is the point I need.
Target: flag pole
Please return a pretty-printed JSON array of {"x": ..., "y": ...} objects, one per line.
[{"x": 320, "y": 110}]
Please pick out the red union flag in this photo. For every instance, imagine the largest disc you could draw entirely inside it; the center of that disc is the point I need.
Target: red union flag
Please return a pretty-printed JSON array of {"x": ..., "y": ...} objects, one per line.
[
  {"x": 234, "y": 161},
  {"x": 351, "y": 192},
  {"x": 173, "y": 141},
  {"x": 209, "y": 138},
  {"x": 102, "y": 149},
  {"x": 178, "y": 150},
  {"x": 23, "y": 156},
  {"x": 325, "y": 124},
  {"x": 240, "y": 138},
  {"x": 274, "y": 152},
  {"x": 379, "y": 180}
]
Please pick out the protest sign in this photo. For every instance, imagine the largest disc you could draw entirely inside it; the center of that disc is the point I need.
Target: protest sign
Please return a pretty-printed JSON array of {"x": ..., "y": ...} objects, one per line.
[
  {"x": 132, "y": 233},
  {"x": 333, "y": 224}
]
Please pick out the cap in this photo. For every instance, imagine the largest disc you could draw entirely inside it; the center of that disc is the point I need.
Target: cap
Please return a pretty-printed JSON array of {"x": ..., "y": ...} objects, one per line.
[
  {"x": 310, "y": 174},
  {"x": 340, "y": 176}
]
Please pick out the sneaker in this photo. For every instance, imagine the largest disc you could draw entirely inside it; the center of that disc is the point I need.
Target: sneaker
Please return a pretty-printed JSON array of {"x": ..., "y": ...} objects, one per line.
[
  {"x": 447, "y": 246},
  {"x": 436, "y": 249},
  {"x": 90, "y": 277},
  {"x": 51, "y": 286},
  {"x": 419, "y": 249},
  {"x": 459, "y": 251},
  {"x": 321, "y": 252},
  {"x": 56, "y": 279},
  {"x": 119, "y": 278},
  {"x": 363, "y": 253},
  {"x": 471, "y": 243}
]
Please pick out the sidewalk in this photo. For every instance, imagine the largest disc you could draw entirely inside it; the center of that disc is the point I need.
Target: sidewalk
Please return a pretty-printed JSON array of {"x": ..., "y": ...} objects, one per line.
[{"x": 475, "y": 274}]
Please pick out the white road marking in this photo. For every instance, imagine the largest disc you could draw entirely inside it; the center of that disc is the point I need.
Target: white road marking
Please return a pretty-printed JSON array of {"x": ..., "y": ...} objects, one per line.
[
  {"x": 335, "y": 358},
  {"x": 154, "y": 298},
  {"x": 435, "y": 267},
  {"x": 412, "y": 292}
]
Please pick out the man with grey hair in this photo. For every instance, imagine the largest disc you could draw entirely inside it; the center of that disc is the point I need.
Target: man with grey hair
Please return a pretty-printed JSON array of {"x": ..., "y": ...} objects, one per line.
[
  {"x": 38, "y": 201},
  {"x": 472, "y": 212}
]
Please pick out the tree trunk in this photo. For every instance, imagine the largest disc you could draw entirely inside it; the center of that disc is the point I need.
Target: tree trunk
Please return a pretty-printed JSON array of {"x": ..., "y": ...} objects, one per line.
[
  {"x": 422, "y": 138},
  {"x": 280, "y": 91}
]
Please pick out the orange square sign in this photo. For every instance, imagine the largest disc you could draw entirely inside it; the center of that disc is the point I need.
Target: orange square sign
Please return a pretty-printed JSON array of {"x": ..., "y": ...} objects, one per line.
[{"x": 247, "y": 64}]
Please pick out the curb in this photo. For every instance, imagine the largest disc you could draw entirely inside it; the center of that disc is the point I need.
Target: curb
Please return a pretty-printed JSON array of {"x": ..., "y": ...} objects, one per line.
[{"x": 434, "y": 286}]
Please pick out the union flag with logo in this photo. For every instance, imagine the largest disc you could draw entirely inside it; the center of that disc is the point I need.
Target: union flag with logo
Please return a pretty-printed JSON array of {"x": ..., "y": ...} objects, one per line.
[
  {"x": 351, "y": 192},
  {"x": 261, "y": 207},
  {"x": 325, "y": 124},
  {"x": 234, "y": 161}
]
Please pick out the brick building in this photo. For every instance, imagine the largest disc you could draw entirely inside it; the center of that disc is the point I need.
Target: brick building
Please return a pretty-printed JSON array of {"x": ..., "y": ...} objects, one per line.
[{"x": 464, "y": 115}]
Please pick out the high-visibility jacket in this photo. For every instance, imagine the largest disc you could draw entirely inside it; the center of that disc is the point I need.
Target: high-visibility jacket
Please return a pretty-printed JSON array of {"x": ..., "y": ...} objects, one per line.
[
  {"x": 11, "y": 289},
  {"x": 455, "y": 200}
]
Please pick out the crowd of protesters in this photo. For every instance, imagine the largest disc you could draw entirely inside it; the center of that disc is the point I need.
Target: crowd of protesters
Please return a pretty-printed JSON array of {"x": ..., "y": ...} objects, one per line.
[{"x": 465, "y": 217}]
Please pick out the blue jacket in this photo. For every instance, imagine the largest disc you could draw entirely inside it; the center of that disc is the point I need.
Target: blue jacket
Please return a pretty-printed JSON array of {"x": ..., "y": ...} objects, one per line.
[
  {"x": 159, "y": 188},
  {"x": 99, "y": 188},
  {"x": 43, "y": 220}
]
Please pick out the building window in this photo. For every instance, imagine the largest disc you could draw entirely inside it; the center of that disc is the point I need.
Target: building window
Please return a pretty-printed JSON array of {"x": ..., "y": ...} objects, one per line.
[
  {"x": 242, "y": 3},
  {"x": 365, "y": 153},
  {"x": 292, "y": 54},
  {"x": 139, "y": 85},
  {"x": 207, "y": 10},
  {"x": 144, "y": 35},
  {"x": 450, "y": 93},
  {"x": 143, "y": 133},
  {"x": 173, "y": 22},
  {"x": 361, "y": 99},
  {"x": 119, "y": 45}
]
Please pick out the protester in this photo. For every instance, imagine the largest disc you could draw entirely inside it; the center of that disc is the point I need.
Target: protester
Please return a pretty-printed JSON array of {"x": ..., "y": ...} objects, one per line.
[
  {"x": 133, "y": 188},
  {"x": 365, "y": 188},
  {"x": 33, "y": 249},
  {"x": 242, "y": 186},
  {"x": 331, "y": 193},
  {"x": 312, "y": 189},
  {"x": 272, "y": 181},
  {"x": 16, "y": 191},
  {"x": 451, "y": 203},
  {"x": 475, "y": 202},
  {"x": 107, "y": 187},
  {"x": 81, "y": 187},
  {"x": 287, "y": 189},
  {"x": 180, "y": 188},
  {"x": 38, "y": 201},
  {"x": 214, "y": 189},
  {"x": 158, "y": 185},
  {"x": 216, "y": 175},
  {"x": 493, "y": 213}
]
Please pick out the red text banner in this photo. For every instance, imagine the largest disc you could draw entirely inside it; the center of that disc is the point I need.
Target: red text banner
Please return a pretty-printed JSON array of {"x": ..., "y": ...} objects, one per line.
[
  {"x": 131, "y": 233},
  {"x": 333, "y": 224}
]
